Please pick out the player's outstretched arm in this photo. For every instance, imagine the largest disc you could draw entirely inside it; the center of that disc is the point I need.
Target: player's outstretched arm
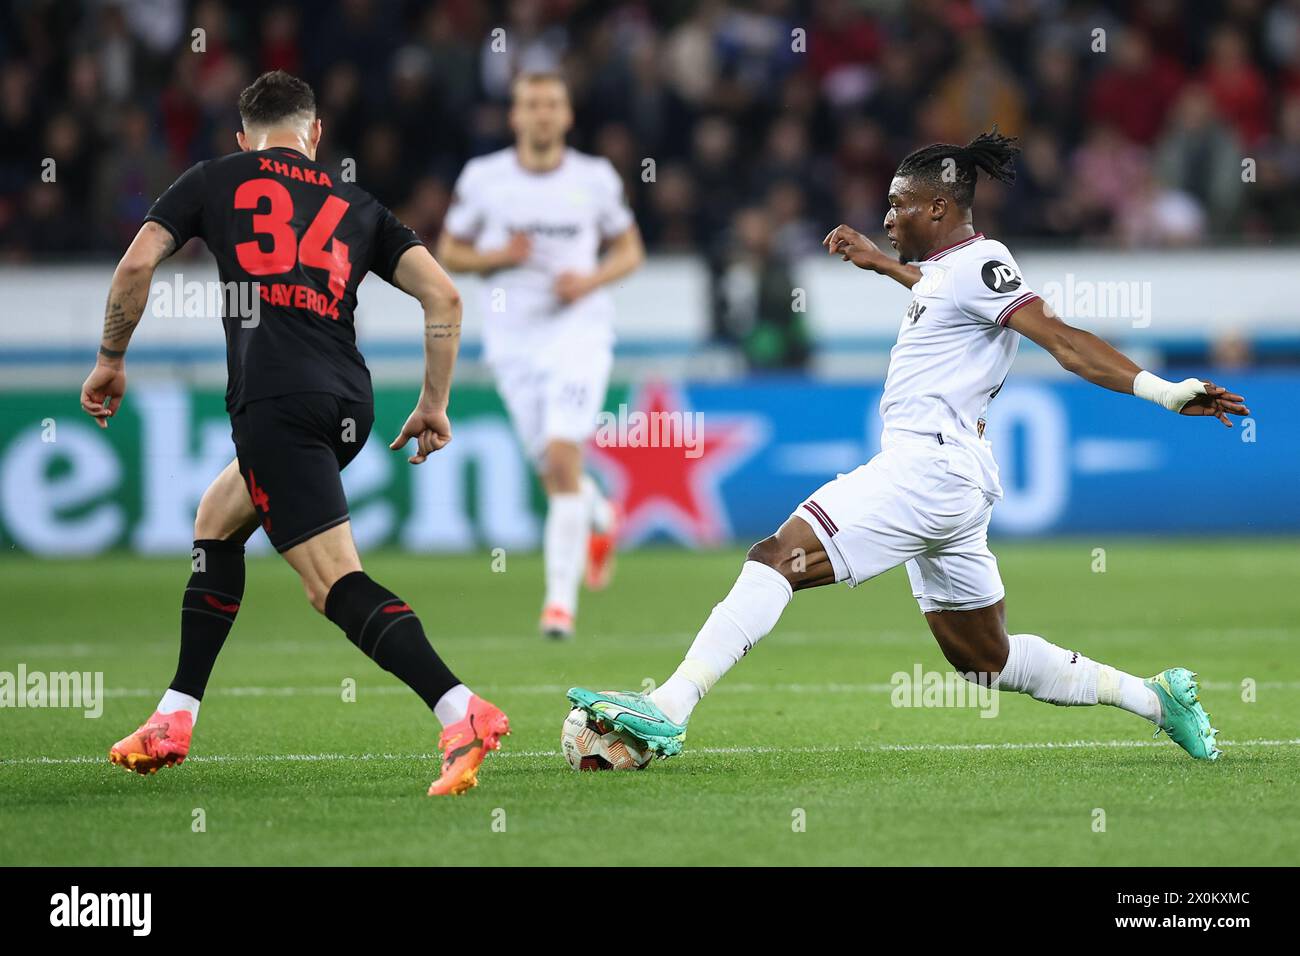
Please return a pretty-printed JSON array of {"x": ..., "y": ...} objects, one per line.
[
  {"x": 102, "y": 392},
  {"x": 417, "y": 274},
  {"x": 459, "y": 255},
  {"x": 852, "y": 246},
  {"x": 625, "y": 254},
  {"x": 1092, "y": 359}
]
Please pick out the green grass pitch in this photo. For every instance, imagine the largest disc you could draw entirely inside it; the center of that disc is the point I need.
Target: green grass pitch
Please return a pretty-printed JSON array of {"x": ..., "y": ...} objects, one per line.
[{"x": 797, "y": 757}]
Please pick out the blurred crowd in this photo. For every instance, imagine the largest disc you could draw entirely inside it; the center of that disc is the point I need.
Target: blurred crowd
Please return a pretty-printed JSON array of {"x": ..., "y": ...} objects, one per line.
[{"x": 1144, "y": 122}]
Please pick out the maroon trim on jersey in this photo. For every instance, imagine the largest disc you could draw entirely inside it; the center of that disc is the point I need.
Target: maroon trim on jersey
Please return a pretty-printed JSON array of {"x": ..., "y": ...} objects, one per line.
[
  {"x": 1016, "y": 306},
  {"x": 818, "y": 512},
  {"x": 939, "y": 253}
]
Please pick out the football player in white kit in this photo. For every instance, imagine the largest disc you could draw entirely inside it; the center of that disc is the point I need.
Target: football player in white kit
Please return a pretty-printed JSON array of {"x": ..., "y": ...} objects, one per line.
[
  {"x": 925, "y": 499},
  {"x": 532, "y": 220}
]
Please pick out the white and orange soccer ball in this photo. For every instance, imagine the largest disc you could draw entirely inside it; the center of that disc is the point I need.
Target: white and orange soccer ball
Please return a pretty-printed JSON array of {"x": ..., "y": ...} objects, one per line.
[{"x": 591, "y": 744}]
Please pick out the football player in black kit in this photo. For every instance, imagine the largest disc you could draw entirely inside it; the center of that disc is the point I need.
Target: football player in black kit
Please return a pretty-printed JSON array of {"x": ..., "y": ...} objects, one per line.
[{"x": 300, "y": 406}]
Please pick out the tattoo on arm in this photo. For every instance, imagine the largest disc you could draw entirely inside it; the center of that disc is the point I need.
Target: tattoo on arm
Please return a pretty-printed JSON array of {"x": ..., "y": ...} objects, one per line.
[
  {"x": 441, "y": 330},
  {"x": 127, "y": 297},
  {"x": 122, "y": 314},
  {"x": 120, "y": 319},
  {"x": 168, "y": 246},
  {"x": 116, "y": 320}
]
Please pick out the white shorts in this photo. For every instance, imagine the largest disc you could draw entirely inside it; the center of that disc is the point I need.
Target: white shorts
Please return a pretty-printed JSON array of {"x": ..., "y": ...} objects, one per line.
[
  {"x": 908, "y": 505},
  {"x": 554, "y": 396}
]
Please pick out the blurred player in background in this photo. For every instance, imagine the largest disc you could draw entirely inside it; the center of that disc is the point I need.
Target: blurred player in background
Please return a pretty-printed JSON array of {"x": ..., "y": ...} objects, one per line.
[
  {"x": 532, "y": 219},
  {"x": 926, "y": 499},
  {"x": 300, "y": 405}
]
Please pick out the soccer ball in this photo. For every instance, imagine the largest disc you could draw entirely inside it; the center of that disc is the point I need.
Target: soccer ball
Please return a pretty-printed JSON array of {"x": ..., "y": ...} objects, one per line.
[{"x": 591, "y": 744}]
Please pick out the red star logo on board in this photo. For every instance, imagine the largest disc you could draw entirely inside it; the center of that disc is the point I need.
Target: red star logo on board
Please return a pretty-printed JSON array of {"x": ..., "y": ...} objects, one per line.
[{"x": 663, "y": 463}]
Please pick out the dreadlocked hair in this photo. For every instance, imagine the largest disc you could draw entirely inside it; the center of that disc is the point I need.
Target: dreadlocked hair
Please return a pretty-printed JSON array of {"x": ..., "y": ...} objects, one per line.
[{"x": 953, "y": 168}]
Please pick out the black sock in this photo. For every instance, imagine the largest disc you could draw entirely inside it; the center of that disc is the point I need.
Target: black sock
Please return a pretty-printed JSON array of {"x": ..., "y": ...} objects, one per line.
[
  {"x": 207, "y": 611},
  {"x": 389, "y": 633}
]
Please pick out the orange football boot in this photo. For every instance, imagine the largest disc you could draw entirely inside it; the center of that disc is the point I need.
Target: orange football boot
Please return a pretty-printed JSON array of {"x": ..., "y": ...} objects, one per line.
[
  {"x": 162, "y": 740},
  {"x": 556, "y": 622},
  {"x": 465, "y": 743},
  {"x": 600, "y": 553}
]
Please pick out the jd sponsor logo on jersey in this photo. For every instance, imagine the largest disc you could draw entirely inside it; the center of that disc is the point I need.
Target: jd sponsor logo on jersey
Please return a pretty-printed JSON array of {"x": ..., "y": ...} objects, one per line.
[
  {"x": 1000, "y": 277},
  {"x": 552, "y": 230}
]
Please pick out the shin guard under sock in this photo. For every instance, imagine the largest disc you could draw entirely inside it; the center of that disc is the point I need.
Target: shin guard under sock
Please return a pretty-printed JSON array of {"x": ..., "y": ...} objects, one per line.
[
  {"x": 208, "y": 610},
  {"x": 387, "y": 631}
]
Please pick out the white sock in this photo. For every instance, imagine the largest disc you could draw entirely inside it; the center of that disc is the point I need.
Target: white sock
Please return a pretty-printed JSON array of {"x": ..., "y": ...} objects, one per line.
[
  {"x": 738, "y": 622},
  {"x": 599, "y": 511},
  {"x": 174, "y": 700},
  {"x": 1067, "y": 678},
  {"x": 453, "y": 705},
  {"x": 564, "y": 543},
  {"x": 1127, "y": 692}
]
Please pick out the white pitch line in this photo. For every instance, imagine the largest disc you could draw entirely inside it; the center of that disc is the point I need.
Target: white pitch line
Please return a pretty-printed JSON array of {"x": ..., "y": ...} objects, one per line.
[
  {"x": 559, "y": 689},
  {"x": 527, "y": 640},
  {"x": 864, "y": 748}
]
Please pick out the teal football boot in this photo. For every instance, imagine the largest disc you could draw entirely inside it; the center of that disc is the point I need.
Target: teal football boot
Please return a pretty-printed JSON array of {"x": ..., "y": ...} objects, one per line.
[
  {"x": 634, "y": 714},
  {"x": 1182, "y": 716}
]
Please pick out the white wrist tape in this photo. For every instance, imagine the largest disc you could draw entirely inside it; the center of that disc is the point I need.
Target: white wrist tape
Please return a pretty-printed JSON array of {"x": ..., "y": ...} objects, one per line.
[{"x": 1172, "y": 395}]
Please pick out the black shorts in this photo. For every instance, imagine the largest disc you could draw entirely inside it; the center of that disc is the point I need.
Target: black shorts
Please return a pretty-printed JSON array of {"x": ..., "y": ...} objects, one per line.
[{"x": 291, "y": 451}]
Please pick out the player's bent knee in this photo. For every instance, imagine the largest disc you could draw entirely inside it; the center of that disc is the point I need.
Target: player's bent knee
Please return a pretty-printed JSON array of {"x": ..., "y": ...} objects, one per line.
[
  {"x": 768, "y": 551},
  {"x": 319, "y": 582},
  {"x": 316, "y": 594},
  {"x": 557, "y": 483},
  {"x": 208, "y": 529},
  {"x": 798, "y": 558},
  {"x": 969, "y": 650},
  {"x": 562, "y": 471},
  {"x": 211, "y": 527},
  {"x": 976, "y": 667},
  {"x": 224, "y": 512}
]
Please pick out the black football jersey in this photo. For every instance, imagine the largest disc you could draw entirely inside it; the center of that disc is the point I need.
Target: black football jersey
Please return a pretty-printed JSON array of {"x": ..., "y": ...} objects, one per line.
[{"x": 279, "y": 220}]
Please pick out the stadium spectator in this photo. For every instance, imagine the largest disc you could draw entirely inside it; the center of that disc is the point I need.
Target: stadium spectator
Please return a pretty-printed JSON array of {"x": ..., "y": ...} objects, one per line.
[
  {"x": 757, "y": 308},
  {"x": 1042, "y": 205},
  {"x": 978, "y": 93},
  {"x": 893, "y": 102},
  {"x": 130, "y": 178},
  {"x": 1103, "y": 171},
  {"x": 1135, "y": 94},
  {"x": 1056, "y": 96},
  {"x": 1237, "y": 85},
  {"x": 1201, "y": 156},
  {"x": 1158, "y": 215},
  {"x": 731, "y": 102},
  {"x": 533, "y": 46},
  {"x": 668, "y": 220},
  {"x": 1274, "y": 198},
  {"x": 281, "y": 49},
  {"x": 844, "y": 44},
  {"x": 1232, "y": 349}
]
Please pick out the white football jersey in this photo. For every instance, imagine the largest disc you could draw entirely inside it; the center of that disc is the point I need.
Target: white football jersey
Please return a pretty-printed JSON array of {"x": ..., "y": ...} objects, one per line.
[
  {"x": 566, "y": 212},
  {"x": 954, "y": 351}
]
